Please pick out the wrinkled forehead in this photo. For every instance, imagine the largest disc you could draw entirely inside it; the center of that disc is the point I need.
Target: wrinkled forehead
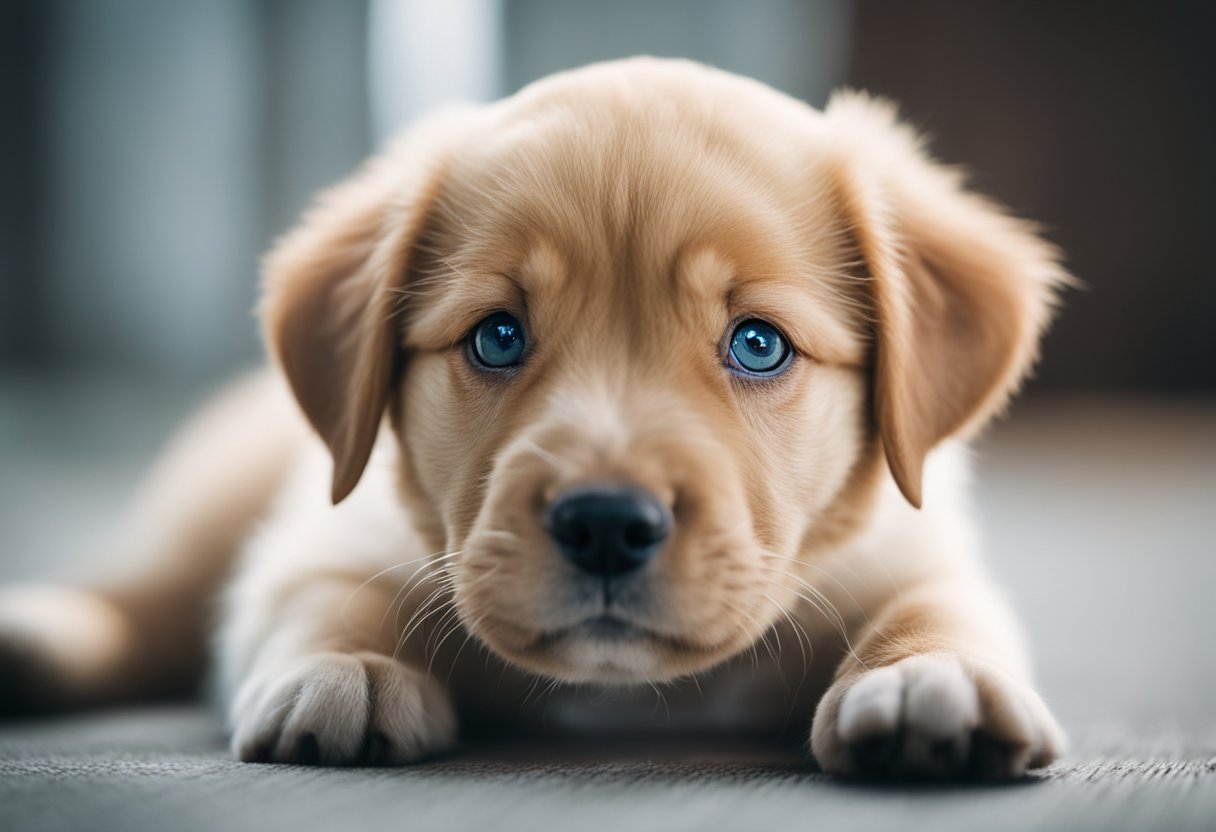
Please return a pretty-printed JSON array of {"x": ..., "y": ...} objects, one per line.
[{"x": 640, "y": 211}]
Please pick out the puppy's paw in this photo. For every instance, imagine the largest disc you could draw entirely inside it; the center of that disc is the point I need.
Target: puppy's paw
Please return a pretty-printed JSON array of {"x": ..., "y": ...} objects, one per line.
[
  {"x": 59, "y": 648},
  {"x": 934, "y": 716},
  {"x": 342, "y": 709}
]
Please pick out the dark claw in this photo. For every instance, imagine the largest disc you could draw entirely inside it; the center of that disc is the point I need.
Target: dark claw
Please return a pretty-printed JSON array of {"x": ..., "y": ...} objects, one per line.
[
  {"x": 308, "y": 750},
  {"x": 376, "y": 749},
  {"x": 990, "y": 758},
  {"x": 877, "y": 757}
]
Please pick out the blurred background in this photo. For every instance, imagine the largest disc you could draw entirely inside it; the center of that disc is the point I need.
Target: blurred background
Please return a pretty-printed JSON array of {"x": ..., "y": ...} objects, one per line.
[{"x": 152, "y": 149}]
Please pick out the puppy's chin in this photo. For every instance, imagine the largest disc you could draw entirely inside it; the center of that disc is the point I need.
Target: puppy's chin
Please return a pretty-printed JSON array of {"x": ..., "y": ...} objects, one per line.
[{"x": 608, "y": 650}]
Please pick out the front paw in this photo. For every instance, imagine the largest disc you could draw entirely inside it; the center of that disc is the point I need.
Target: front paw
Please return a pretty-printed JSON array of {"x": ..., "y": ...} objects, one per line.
[
  {"x": 933, "y": 716},
  {"x": 341, "y": 709}
]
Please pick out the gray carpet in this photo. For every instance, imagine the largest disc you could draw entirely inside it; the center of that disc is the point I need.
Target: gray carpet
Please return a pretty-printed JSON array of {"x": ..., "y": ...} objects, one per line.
[{"x": 1100, "y": 521}]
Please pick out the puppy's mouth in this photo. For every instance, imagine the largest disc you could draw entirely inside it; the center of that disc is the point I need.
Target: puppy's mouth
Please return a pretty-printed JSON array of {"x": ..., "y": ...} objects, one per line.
[
  {"x": 610, "y": 629},
  {"x": 605, "y": 627}
]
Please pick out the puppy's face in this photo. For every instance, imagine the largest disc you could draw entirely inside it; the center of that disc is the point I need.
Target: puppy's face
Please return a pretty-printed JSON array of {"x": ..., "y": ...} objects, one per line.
[
  {"x": 643, "y": 335},
  {"x": 634, "y": 384}
]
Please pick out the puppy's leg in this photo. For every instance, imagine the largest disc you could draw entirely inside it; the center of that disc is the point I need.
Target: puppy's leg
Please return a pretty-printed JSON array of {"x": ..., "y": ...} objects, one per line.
[
  {"x": 137, "y": 628},
  {"x": 313, "y": 671},
  {"x": 937, "y": 688}
]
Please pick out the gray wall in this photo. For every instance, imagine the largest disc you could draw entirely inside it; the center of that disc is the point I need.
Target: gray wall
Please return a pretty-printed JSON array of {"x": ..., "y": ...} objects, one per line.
[
  {"x": 1098, "y": 120},
  {"x": 157, "y": 146},
  {"x": 799, "y": 46},
  {"x": 152, "y": 149}
]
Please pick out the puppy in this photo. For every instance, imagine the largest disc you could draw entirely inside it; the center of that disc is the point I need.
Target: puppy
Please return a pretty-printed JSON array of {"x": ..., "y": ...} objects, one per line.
[{"x": 647, "y": 373}]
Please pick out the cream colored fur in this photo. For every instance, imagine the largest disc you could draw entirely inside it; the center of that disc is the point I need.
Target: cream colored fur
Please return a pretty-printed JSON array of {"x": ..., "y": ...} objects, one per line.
[{"x": 629, "y": 214}]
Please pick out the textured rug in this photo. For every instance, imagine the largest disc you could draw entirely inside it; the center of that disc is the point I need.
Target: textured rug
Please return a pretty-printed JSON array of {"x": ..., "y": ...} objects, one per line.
[{"x": 168, "y": 769}]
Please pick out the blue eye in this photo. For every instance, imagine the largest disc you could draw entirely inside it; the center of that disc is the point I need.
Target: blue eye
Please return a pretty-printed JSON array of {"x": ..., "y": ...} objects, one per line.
[
  {"x": 498, "y": 341},
  {"x": 758, "y": 348}
]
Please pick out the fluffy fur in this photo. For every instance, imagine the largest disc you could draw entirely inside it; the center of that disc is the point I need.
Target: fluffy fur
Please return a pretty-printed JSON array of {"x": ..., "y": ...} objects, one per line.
[{"x": 628, "y": 213}]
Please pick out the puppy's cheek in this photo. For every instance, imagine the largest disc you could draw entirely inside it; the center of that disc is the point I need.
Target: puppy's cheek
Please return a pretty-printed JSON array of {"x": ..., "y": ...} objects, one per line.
[
  {"x": 451, "y": 432},
  {"x": 805, "y": 453},
  {"x": 507, "y": 600},
  {"x": 510, "y": 586}
]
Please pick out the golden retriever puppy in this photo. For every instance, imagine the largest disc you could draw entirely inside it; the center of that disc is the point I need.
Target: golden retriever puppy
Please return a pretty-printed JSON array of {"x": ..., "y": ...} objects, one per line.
[{"x": 645, "y": 374}]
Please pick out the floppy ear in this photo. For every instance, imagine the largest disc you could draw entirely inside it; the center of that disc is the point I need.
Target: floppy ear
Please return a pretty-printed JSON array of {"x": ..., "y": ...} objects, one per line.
[
  {"x": 330, "y": 306},
  {"x": 961, "y": 291}
]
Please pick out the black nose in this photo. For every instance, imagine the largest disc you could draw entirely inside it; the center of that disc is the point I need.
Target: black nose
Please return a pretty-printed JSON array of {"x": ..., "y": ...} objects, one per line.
[{"x": 608, "y": 531}]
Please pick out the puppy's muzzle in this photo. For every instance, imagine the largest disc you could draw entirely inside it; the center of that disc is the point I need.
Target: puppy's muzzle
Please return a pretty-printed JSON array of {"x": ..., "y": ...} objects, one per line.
[{"x": 608, "y": 531}]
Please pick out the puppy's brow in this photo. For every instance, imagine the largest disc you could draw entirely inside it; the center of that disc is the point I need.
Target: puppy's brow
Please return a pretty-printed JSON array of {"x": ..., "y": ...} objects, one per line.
[
  {"x": 443, "y": 318},
  {"x": 542, "y": 269},
  {"x": 703, "y": 271},
  {"x": 476, "y": 284},
  {"x": 798, "y": 303}
]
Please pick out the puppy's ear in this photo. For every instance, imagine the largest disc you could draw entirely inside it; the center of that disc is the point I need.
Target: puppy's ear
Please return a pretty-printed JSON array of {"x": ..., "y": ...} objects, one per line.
[
  {"x": 961, "y": 291},
  {"x": 331, "y": 299}
]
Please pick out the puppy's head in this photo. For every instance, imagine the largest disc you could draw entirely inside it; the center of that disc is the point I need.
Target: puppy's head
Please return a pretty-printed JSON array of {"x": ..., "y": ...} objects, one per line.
[{"x": 645, "y": 333}]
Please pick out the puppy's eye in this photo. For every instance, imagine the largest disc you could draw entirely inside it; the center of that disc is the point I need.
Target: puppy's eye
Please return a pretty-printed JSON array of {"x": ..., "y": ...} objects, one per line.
[
  {"x": 758, "y": 348},
  {"x": 498, "y": 341}
]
